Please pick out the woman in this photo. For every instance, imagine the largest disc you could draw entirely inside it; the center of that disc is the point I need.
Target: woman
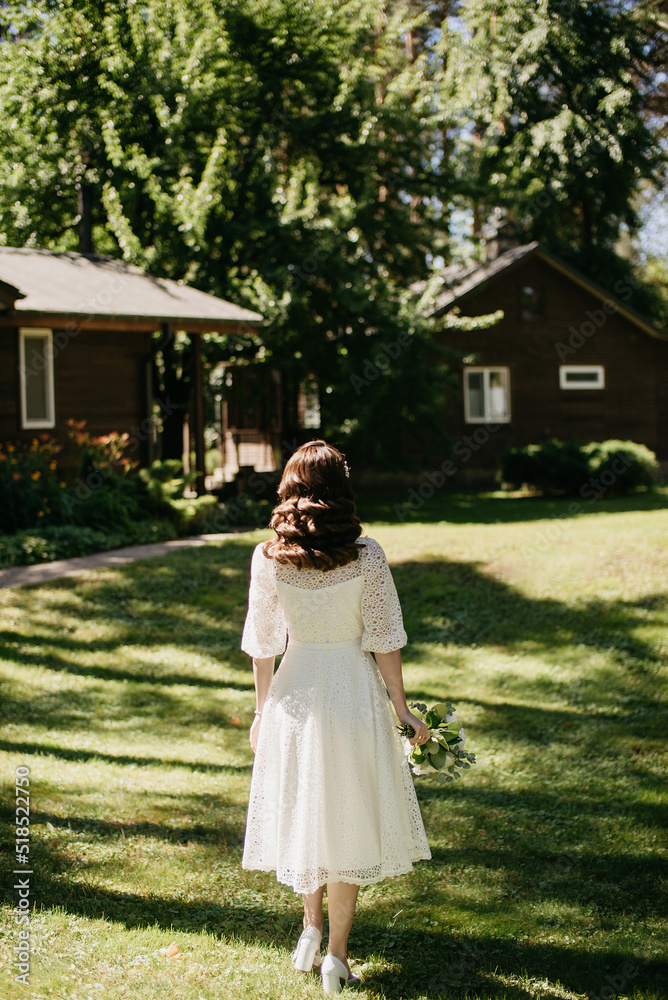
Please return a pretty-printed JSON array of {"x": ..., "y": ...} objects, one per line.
[{"x": 332, "y": 800}]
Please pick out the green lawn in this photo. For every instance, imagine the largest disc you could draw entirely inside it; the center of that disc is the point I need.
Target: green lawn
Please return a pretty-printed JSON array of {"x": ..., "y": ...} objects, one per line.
[{"x": 127, "y": 696}]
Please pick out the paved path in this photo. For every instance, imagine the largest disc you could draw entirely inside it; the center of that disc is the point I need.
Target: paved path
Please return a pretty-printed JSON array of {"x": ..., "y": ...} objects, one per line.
[{"x": 20, "y": 576}]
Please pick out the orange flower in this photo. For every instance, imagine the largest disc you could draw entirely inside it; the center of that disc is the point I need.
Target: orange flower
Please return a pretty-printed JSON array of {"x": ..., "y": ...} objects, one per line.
[
  {"x": 35, "y": 476},
  {"x": 64, "y": 485},
  {"x": 40, "y": 513},
  {"x": 16, "y": 476},
  {"x": 52, "y": 465}
]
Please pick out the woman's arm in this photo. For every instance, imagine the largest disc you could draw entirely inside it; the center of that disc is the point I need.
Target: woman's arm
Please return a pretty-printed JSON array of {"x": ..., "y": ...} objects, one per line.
[
  {"x": 389, "y": 665},
  {"x": 263, "y": 672}
]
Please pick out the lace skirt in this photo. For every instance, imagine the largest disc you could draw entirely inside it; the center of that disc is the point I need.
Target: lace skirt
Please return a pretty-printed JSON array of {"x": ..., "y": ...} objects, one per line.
[{"x": 332, "y": 796}]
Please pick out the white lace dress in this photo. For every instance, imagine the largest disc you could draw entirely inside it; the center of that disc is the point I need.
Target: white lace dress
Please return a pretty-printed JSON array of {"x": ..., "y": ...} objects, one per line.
[{"x": 332, "y": 796}]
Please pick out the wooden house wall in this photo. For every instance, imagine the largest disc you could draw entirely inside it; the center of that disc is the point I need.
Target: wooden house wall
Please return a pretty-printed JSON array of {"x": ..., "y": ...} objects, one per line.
[
  {"x": 99, "y": 377},
  {"x": 630, "y": 407}
]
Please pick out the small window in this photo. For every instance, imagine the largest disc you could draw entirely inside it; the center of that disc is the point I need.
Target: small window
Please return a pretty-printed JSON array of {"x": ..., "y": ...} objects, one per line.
[
  {"x": 532, "y": 303},
  {"x": 581, "y": 377},
  {"x": 487, "y": 395},
  {"x": 36, "y": 373}
]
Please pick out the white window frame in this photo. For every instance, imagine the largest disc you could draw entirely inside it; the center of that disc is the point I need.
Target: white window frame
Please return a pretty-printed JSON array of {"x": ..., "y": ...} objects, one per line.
[
  {"x": 50, "y": 420},
  {"x": 597, "y": 370},
  {"x": 487, "y": 371}
]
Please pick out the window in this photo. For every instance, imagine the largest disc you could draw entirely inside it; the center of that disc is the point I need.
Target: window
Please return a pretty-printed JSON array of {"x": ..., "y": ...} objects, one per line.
[
  {"x": 36, "y": 373},
  {"x": 581, "y": 377},
  {"x": 487, "y": 395},
  {"x": 532, "y": 303}
]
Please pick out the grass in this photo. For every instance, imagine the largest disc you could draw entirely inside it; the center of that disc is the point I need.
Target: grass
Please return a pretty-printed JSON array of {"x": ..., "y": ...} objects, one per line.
[{"x": 127, "y": 696}]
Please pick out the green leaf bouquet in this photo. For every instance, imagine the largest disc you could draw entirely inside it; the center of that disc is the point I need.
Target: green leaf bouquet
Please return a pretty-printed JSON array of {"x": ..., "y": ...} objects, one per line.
[{"x": 444, "y": 752}]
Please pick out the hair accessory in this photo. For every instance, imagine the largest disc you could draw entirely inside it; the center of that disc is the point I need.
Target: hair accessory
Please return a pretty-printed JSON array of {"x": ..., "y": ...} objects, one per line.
[{"x": 346, "y": 469}]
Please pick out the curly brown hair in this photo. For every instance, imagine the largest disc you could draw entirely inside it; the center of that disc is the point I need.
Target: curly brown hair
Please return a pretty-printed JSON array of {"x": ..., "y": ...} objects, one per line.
[{"x": 316, "y": 523}]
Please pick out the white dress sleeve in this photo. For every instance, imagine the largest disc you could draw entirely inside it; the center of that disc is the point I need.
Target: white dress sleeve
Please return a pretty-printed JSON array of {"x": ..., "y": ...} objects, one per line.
[
  {"x": 381, "y": 611},
  {"x": 265, "y": 631}
]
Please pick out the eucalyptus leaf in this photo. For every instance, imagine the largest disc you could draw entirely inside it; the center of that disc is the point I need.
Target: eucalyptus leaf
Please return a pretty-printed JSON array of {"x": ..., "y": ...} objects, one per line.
[{"x": 439, "y": 758}]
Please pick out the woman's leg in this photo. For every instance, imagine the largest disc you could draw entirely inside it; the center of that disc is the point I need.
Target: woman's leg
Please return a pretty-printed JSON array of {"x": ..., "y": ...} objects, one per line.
[
  {"x": 313, "y": 908},
  {"x": 341, "y": 902}
]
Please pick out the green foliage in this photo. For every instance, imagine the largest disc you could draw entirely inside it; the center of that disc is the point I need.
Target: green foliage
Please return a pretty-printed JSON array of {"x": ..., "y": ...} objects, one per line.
[
  {"x": 165, "y": 478},
  {"x": 97, "y": 454},
  {"x": 30, "y": 490},
  {"x": 243, "y": 147},
  {"x": 575, "y": 468},
  {"x": 443, "y": 754},
  {"x": 105, "y": 496},
  {"x": 113, "y": 502},
  {"x": 195, "y": 514},
  {"x": 206, "y": 516},
  {"x": 562, "y": 98},
  {"x": 558, "y": 94},
  {"x": 552, "y": 466},
  {"x": 305, "y": 159},
  {"x": 38, "y": 545},
  {"x": 631, "y": 465}
]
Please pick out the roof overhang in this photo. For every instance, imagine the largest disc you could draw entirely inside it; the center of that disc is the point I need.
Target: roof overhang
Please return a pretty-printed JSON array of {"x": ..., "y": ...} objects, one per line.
[{"x": 130, "y": 324}]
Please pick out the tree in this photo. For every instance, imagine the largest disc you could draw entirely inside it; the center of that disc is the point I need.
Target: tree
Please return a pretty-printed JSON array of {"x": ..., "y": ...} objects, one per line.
[
  {"x": 553, "y": 100},
  {"x": 272, "y": 152}
]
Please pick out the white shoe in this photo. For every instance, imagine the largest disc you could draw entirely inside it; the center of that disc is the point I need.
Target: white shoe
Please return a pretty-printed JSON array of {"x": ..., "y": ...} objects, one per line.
[
  {"x": 334, "y": 974},
  {"x": 307, "y": 952}
]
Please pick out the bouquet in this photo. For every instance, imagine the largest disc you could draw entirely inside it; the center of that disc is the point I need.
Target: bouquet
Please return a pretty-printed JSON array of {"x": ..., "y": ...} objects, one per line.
[{"x": 443, "y": 753}]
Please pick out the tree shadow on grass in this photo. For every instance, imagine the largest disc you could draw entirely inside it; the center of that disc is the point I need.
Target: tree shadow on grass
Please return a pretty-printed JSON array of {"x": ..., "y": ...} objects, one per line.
[
  {"x": 10, "y": 651},
  {"x": 459, "y": 604},
  {"x": 417, "y": 963},
  {"x": 398, "y": 506},
  {"x": 446, "y": 603},
  {"x": 82, "y": 756}
]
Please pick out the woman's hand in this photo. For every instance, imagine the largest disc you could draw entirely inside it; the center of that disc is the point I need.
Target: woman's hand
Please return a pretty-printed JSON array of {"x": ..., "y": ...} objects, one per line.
[
  {"x": 422, "y": 733},
  {"x": 255, "y": 732}
]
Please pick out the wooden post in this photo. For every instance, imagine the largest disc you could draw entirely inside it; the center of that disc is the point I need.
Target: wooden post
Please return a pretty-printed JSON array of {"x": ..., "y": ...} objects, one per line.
[{"x": 196, "y": 340}]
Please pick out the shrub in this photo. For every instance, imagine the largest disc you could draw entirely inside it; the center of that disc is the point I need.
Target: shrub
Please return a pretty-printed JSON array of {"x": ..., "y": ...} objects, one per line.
[
  {"x": 205, "y": 515},
  {"x": 166, "y": 478},
  {"x": 30, "y": 490},
  {"x": 68, "y": 541},
  {"x": 193, "y": 513},
  {"x": 622, "y": 465},
  {"x": 93, "y": 454},
  {"x": 569, "y": 466},
  {"x": 553, "y": 466},
  {"x": 110, "y": 502}
]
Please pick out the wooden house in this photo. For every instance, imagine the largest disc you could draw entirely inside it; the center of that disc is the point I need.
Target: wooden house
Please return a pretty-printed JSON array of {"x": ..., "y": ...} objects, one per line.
[
  {"x": 76, "y": 342},
  {"x": 569, "y": 359}
]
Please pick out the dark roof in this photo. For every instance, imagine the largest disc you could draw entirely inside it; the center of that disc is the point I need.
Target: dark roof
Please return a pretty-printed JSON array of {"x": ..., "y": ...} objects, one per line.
[
  {"x": 95, "y": 287},
  {"x": 460, "y": 279}
]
